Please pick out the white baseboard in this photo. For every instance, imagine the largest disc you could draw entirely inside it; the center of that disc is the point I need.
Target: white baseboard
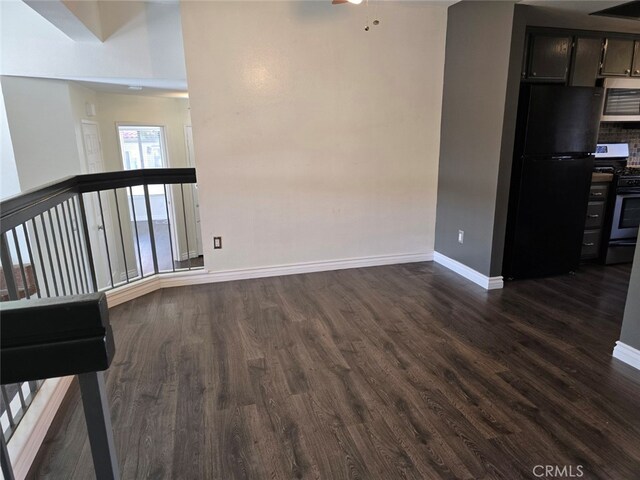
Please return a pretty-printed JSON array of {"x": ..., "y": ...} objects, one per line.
[
  {"x": 488, "y": 283},
  {"x": 627, "y": 354},
  {"x": 132, "y": 290},
  {"x": 126, "y": 293},
  {"x": 28, "y": 437}
]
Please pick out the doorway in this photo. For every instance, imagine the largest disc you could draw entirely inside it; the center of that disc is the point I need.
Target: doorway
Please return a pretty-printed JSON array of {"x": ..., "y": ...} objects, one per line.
[{"x": 141, "y": 147}]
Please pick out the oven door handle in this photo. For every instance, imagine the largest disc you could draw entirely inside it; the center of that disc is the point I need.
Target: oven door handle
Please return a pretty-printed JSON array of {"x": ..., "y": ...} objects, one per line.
[{"x": 622, "y": 243}]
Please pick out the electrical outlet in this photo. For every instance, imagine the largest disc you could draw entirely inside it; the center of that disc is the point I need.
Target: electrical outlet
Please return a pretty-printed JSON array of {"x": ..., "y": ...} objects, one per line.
[
  {"x": 217, "y": 243},
  {"x": 460, "y": 236}
]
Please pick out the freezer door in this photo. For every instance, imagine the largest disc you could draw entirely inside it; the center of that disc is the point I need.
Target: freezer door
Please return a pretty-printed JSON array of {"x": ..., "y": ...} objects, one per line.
[{"x": 562, "y": 120}]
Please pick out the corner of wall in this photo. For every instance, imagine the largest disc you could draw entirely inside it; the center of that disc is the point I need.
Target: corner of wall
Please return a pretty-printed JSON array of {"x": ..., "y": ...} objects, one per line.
[
  {"x": 9, "y": 183},
  {"x": 518, "y": 30},
  {"x": 630, "y": 333}
]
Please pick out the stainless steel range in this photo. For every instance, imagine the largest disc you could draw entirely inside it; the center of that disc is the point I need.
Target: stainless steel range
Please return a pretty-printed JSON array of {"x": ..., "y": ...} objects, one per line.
[
  {"x": 626, "y": 213},
  {"x": 623, "y": 215}
]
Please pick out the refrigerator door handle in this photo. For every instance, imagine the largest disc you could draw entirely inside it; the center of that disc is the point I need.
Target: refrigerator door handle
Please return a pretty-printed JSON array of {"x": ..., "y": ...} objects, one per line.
[{"x": 568, "y": 157}]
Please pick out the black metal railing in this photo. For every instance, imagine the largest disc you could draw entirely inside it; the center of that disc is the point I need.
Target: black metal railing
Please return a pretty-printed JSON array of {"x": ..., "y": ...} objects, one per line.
[
  {"x": 55, "y": 337},
  {"x": 93, "y": 233}
]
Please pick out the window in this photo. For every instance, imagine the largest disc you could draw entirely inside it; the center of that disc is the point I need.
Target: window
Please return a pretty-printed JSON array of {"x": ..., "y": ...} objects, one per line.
[{"x": 143, "y": 147}]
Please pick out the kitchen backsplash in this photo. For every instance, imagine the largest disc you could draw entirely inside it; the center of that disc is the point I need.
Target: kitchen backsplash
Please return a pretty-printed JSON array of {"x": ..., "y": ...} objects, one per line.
[{"x": 614, "y": 133}]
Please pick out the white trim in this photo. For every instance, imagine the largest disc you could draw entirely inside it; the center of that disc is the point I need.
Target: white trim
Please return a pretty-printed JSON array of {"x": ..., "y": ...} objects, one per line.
[
  {"x": 488, "y": 283},
  {"x": 132, "y": 290},
  {"x": 32, "y": 429},
  {"x": 627, "y": 354},
  {"x": 195, "y": 277}
]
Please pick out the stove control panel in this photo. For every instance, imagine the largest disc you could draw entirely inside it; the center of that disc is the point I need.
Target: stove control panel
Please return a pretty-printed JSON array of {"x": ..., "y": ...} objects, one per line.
[
  {"x": 612, "y": 150},
  {"x": 629, "y": 182}
]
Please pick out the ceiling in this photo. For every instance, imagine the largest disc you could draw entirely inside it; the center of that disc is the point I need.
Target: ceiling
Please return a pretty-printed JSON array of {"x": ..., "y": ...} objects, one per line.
[
  {"x": 584, "y": 6},
  {"x": 146, "y": 87},
  {"x": 178, "y": 88}
]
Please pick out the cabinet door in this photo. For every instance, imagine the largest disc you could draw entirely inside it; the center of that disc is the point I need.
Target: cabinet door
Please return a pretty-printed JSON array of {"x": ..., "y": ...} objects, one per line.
[
  {"x": 549, "y": 58},
  {"x": 591, "y": 244},
  {"x": 595, "y": 215},
  {"x": 586, "y": 65},
  {"x": 618, "y": 56},
  {"x": 636, "y": 60}
]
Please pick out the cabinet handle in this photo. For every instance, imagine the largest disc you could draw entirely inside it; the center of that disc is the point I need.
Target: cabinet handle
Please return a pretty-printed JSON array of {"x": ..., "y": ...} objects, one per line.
[
  {"x": 593, "y": 216},
  {"x": 627, "y": 71},
  {"x": 590, "y": 244},
  {"x": 636, "y": 71},
  {"x": 533, "y": 74},
  {"x": 596, "y": 194}
]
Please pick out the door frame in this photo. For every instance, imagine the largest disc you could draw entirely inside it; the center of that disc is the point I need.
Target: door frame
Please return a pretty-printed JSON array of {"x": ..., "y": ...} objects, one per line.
[
  {"x": 91, "y": 212},
  {"x": 191, "y": 162}
]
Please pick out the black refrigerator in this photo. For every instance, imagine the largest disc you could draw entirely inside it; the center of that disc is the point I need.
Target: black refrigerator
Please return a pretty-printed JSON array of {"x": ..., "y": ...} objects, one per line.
[{"x": 556, "y": 136}]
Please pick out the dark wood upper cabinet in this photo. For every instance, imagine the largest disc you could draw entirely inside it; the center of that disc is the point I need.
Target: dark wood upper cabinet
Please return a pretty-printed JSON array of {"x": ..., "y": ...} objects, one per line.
[
  {"x": 586, "y": 63},
  {"x": 579, "y": 58},
  {"x": 618, "y": 57},
  {"x": 549, "y": 58},
  {"x": 635, "y": 70}
]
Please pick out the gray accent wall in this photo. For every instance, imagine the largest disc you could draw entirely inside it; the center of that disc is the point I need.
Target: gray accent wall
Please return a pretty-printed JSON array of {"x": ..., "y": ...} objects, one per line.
[
  {"x": 485, "y": 46},
  {"x": 479, "y": 36},
  {"x": 631, "y": 324},
  {"x": 518, "y": 37}
]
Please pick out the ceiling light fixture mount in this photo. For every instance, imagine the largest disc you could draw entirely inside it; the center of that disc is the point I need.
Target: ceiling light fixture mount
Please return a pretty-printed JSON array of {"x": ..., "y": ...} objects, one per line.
[{"x": 358, "y": 2}]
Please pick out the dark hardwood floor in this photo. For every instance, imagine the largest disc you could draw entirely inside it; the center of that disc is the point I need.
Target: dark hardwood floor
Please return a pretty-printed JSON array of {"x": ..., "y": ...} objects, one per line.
[{"x": 405, "y": 371}]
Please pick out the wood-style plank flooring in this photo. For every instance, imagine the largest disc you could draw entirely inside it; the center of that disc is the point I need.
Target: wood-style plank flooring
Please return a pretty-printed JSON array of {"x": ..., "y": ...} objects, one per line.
[{"x": 406, "y": 371}]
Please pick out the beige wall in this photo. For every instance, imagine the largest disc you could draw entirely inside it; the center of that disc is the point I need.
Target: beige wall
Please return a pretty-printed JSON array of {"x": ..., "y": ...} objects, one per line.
[
  {"x": 314, "y": 139},
  {"x": 9, "y": 183},
  {"x": 45, "y": 120},
  {"x": 41, "y": 124},
  {"x": 171, "y": 113}
]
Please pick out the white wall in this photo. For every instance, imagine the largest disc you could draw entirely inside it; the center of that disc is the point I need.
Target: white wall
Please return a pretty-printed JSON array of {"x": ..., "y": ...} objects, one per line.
[
  {"x": 9, "y": 184},
  {"x": 314, "y": 139},
  {"x": 144, "y": 41},
  {"x": 42, "y": 130}
]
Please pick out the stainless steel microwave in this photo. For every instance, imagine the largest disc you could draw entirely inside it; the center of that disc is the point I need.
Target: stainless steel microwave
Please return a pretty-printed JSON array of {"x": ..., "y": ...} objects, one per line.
[{"x": 622, "y": 100}]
